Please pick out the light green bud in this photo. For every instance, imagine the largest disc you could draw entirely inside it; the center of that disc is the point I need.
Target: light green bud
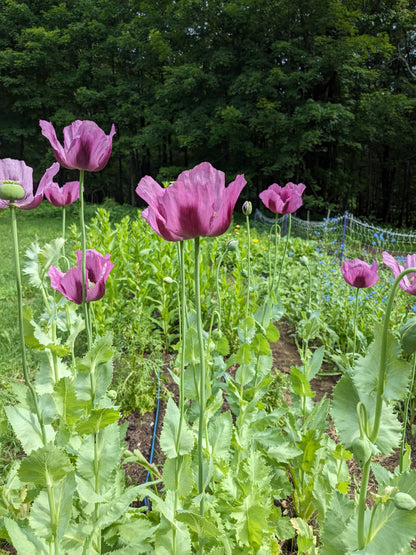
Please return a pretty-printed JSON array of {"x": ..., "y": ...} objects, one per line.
[{"x": 404, "y": 501}]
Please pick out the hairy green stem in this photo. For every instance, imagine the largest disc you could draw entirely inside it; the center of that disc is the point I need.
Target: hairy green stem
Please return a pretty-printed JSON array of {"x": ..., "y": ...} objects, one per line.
[
  {"x": 355, "y": 324},
  {"x": 362, "y": 503},
  {"x": 202, "y": 378},
  {"x": 383, "y": 350},
  {"x": 15, "y": 243},
  {"x": 248, "y": 263},
  {"x": 84, "y": 261},
  {"x": 406, "y": 415},
  {"x": 289, "y": 227},
  {"x": 63, "y": 228}
]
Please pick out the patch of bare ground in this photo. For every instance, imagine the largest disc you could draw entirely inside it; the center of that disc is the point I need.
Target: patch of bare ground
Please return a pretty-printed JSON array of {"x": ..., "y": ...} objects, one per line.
[{"x": 285, "y": 355}]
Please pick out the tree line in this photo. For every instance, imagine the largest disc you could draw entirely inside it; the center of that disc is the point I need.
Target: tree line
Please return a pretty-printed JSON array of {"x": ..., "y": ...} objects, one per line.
[{"x": 315, "y": 91}]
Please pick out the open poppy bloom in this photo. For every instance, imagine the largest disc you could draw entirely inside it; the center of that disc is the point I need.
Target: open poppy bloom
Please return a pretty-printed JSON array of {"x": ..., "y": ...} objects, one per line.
[
  {"x": 98, "y": 268},
  {"x": 62, "y": 196},
  {"x": 283, "y": 200},
  {"x": 86, "y": 146},
  {"x": 197, "y": 204},
  {"x": 359, "y": 274},
  {"x": 20, "y": 176},
  {"x": 408, "y": 283}
]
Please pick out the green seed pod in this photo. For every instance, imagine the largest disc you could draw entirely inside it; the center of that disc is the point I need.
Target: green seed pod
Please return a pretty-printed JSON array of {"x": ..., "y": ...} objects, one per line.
[
  {"x": 362, "y": 451},
  {"x": 404, "y": 501},
  {"x": 11, "y": 190},
  {"x": 408, "y": 336}
]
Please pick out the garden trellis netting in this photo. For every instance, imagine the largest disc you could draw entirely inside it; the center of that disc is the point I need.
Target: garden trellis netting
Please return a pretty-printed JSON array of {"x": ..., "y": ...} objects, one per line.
[{"x": 345, "y": 230}]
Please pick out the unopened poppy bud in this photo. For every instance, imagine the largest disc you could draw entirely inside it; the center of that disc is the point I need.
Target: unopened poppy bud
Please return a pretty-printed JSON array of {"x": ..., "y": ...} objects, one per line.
[
  {"x": 232, "y": 245},
  {"x": 168, "y": 279},
  {"x": 304, "y": 261},
  {"x": 112, "y": 394},
  {"x": 404, "y": 501},
  {"x": 408, "y": 336},
  {"x": 11, "y": 190},
  {"x": 247, "y": 208}
]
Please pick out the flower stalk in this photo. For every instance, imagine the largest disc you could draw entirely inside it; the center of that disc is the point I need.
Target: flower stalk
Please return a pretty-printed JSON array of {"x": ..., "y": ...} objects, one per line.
[
  {"x": 15, "y": 243},
  {"x": 383, "y": 350}
]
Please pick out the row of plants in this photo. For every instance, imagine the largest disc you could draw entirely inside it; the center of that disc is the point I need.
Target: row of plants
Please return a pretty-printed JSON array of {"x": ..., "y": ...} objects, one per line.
[{"x": 229, "y": 468}]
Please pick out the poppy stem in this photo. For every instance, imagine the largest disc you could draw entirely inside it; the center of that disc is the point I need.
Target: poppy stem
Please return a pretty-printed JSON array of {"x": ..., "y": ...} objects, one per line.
[
  {"x": 383, "y": 351},
  {"x": 15, "y": 243},
  {"x": 84, "y": 259},
  {"x": 248, "y": 263},
  {"x": 289, "y": 227},
  {"x": 357, "y": 295},
  {"x": 202, "y": 376}
]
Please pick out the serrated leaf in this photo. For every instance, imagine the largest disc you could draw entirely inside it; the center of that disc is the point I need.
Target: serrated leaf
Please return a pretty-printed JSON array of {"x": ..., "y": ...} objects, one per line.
[
  {"x": 260, "y": 346},
  {"x": 115, "y": 508},
  {"x": 178, "y": 475},
  {"x": 27, "y": 428},
  {"x": 41, "y": 519},
  {"x": 198, "y": 524},
  {"x": 339, "y": 512},
  {"x": 272, "y": 333},
  {"x": 108, "y": 454},
  {"x": 68, "y": 406},
  {"x": 243, "y": 355},
  {"x": 284, "y": 452},
  {"x": 97, "y": 364},
  {"x": 344, "y": 414},
  {"x": 168, "y": 437},
  {"x": 164, "y": 539},
  {"x": 97, "y": 420},
  {"x": 47, "y": 465},
  {"x": 315, "y": 362},
  {"x": 24, "y": 539},
  {"x": 36, "y": 338},
  {"x": 250, "y": 521},
  {"x": 46, "y": 377},
  {"x": 191, "y": 346},
  {"x": 220, "y": 431},
  {"x": 366, "y": 370},
  {"x": 222, "y": 345},
  {"x": 38, "y": 260},
  {"x": 300, "y": 383},
  {"x": 246, "y": 330}
]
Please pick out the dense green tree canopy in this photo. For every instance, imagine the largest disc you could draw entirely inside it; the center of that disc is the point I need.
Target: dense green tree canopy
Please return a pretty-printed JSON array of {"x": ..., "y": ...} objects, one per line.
[{"x": 315, "y": 91}]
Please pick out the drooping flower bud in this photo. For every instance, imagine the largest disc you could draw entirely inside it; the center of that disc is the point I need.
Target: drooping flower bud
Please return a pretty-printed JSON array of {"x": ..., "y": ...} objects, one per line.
[
  {"x": 408, "y": 336},
  {"x": 232, "y": 245},
  {"x": 168, "y": 279},
  {"x": 304, "y": 261},
  {"x": 11, "y": 190},
  {"x": 247, "y": 208}
]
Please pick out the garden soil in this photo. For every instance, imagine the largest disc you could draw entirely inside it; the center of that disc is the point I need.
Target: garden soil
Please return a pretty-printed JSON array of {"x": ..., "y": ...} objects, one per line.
[{"x": 140, "y": 429}]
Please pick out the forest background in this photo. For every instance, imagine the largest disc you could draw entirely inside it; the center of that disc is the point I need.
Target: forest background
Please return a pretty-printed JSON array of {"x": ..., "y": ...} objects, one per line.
[{"x": 315, "y": 91}]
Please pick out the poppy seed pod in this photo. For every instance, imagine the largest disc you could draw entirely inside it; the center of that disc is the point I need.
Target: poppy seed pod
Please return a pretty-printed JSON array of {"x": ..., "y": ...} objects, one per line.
[{"x": 11, "y": 190}]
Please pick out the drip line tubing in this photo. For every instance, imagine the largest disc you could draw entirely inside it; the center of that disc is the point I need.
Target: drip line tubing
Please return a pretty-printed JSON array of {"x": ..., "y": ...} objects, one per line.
[{"x": 152, "y": 449}]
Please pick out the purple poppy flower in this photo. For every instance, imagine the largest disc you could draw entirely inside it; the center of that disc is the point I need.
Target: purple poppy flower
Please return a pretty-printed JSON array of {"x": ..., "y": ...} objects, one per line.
[
  {"x": 17, "y": 172},
  {"x": 98, "y": 268},
  {"x": 197, "y": 204},
  {"x": 86, "y": 146},
  {"x": 408, "y": 283},
  {"x": 62, "y": 196},
  {"x": 359, "y": 274},
  {"x": 283, "y": 200}
]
